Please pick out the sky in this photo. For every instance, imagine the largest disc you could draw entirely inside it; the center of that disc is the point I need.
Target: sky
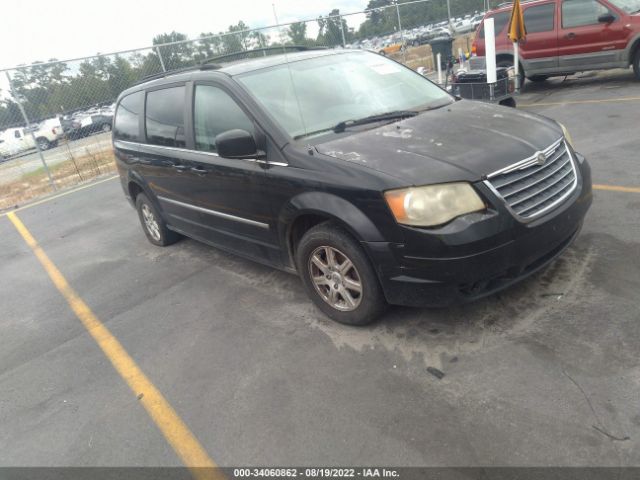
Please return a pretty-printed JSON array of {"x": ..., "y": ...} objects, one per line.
[{"x": 42, "y": 29}]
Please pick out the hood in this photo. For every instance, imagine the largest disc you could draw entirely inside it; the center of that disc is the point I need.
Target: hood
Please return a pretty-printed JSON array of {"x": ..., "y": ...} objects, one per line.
[{"x": 461, "y": 142}]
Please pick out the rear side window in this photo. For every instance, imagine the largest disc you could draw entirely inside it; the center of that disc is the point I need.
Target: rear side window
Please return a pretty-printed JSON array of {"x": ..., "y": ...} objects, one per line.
[
  {"x": 540, "y": 18},
  {"x": 164, "y": 117},
  {"x": 127, "y": 116},
  {"x": 578, "y": 13},
  {"x": 216, "y": 112},
  {"x": 500, "y": 21}
]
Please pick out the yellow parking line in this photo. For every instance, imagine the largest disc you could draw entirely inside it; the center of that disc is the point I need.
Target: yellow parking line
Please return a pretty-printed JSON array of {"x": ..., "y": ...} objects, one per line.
[
  {"x": 580, "y": 102},
  {"x": 167, "y": 420},
  {"x": 616, "y": 188}
]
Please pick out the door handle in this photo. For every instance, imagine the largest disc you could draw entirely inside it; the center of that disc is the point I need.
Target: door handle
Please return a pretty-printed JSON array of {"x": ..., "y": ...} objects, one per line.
[
  {"x": 180, "y": 168},
  {"x": 570, "y": 35},
  {"x": 199, "y": 170}
]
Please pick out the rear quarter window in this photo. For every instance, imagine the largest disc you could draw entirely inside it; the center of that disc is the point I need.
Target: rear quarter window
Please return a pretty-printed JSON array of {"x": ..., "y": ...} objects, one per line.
[
  {"x": 500, "y": 22},
  {"x": 127, "y": 118},
  {"x": 164, "y": 117}
]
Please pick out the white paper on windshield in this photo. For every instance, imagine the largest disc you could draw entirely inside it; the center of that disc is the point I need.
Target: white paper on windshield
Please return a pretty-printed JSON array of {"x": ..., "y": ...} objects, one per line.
[{"x": 385, "y": 68}]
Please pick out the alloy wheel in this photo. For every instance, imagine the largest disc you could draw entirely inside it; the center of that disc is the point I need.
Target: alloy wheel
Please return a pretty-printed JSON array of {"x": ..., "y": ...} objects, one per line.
[
  {"x": 335, "y": 278},
  {"x": 150, "y": 222}
]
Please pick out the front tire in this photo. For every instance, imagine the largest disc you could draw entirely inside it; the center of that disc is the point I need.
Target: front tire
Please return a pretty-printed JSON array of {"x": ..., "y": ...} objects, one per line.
[
  {"x": 636, "y": 64},
  {"x": 153, "y": 225},
  {"x": 338, "y": 276}
]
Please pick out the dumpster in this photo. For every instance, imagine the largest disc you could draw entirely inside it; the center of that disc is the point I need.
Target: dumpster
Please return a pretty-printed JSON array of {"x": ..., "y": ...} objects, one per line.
[{"x": 444, "y": 47}]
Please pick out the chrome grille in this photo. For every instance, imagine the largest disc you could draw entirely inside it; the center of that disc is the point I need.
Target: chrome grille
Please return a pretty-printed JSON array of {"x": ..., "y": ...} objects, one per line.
[{"x": 530, "y": 189}]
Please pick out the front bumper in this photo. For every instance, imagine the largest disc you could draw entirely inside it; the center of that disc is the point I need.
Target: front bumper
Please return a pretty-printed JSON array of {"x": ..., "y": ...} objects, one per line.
[{"x": 477, "y": 254}]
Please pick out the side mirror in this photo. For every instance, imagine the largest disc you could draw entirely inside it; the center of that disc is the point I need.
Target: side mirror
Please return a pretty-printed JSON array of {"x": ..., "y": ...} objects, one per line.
[
  {"x": 237, "y": 144},
  {"x": 606, "y": 18}
]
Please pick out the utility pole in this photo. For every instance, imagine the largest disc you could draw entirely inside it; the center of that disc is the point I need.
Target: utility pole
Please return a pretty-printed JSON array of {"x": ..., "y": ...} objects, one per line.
[
  {"x": 164, "y": 69},
  {"x": 403, "y": 47}
]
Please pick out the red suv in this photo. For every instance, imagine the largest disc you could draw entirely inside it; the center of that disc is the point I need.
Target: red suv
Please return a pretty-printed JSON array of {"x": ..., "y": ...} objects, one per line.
[{"x": 568, "y": 36}]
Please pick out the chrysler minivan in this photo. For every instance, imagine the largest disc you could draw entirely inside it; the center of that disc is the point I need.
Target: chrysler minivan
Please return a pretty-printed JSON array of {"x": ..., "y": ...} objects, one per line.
[{"x": 370, "y": 182}]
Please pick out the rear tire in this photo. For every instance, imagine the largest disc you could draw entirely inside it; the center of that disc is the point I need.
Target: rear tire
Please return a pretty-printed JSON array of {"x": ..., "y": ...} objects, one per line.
[
  {"x": 43, "y": 143},
  {"x": 636, "y": 64},
  {"x": 537, "y": 78},
  {"x": 153, "y": 225},
  {"x": 338, "y": 276}
]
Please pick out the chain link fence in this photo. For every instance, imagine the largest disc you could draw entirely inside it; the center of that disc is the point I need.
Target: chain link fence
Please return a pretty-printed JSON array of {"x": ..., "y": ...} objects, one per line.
[{"x": 56, "y": 116}]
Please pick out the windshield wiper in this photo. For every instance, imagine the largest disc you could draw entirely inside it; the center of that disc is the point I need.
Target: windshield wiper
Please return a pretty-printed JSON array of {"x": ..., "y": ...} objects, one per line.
[{"x": 340, "y": 127}]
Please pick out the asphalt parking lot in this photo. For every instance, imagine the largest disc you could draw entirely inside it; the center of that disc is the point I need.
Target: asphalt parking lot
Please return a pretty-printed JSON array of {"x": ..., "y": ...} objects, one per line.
[{"x": 545, "y": 373}]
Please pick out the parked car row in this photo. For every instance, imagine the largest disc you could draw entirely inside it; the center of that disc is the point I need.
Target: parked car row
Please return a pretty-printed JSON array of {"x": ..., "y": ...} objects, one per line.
[
  {"x": 46, "y": 134},
  {"x": 419, "y": 35},
  {"x": 86, "y": 122}
]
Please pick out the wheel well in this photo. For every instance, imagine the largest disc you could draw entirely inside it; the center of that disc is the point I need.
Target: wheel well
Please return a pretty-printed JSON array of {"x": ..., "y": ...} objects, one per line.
[
  {"x": 508, "y": 57},
  {"x": 300, "y": 226},
  {"x": 134, "y": 190}
]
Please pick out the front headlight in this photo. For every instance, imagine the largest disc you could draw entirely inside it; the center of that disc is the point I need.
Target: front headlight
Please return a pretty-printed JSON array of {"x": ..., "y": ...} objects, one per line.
[
  {"x": 567, "y": 135},
  {"x": 433, "y": 204}
]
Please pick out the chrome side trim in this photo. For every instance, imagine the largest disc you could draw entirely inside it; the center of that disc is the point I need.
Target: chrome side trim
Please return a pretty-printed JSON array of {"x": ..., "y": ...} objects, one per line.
[
  {"x": 215, "y": 213},
  {"x": 527, "y": 162},
  {"x": 142, "y": 146},
  {"x": 549, "y": 207}
]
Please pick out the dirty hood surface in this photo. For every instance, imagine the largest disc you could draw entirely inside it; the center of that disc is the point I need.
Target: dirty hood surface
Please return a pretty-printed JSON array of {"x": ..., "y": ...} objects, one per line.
[{"x": 461, "y": 142}]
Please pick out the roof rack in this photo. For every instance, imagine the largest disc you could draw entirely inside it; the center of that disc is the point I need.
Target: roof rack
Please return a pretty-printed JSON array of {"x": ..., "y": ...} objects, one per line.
[
  {"x": 155, "y": 76},
  {"x": 208, "y": 64},
  {"x": 510, "y": 2},
  {"x": 257, "y": 52}
]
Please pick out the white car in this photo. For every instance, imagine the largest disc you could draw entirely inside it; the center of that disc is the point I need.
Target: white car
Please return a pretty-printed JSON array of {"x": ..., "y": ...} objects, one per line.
[
  {"x": 463, "y": 26},
  {"x": 15, "y": 141}
]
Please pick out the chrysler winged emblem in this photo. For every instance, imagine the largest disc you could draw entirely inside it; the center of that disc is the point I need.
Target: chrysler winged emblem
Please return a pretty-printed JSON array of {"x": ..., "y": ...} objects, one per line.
[{"x": 541, "y": 158}]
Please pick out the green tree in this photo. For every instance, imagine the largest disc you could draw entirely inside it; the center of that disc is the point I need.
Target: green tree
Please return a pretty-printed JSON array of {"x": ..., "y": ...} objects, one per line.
[
  {"x": 331, "y": 28},
  {"x": 174, "y": 56},
  {"x": 298, "y": 33}
]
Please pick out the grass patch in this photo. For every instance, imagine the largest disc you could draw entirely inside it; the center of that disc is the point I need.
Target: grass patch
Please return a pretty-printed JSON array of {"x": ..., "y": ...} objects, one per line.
[{"x": 75, "y": 170}]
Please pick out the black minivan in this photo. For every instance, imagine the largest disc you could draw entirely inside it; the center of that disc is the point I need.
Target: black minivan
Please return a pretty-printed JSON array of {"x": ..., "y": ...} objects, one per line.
[{"x": 372, "y": 183}]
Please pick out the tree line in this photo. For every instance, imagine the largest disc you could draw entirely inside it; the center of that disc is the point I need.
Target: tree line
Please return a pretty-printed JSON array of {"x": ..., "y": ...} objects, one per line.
[{"x": 48, "y": 89}]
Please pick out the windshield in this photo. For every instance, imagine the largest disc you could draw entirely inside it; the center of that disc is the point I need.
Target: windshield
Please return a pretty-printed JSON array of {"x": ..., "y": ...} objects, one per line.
[
  {"x": 629, "y": 6},
  {"x": 313, "y": 95}
]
